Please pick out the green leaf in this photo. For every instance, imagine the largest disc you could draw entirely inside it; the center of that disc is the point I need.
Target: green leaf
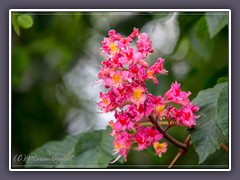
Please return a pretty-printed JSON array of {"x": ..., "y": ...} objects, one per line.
[
  {"x": 207, "y": 136},
  {"x": 15, "y": 24},
  {"x": 216, "y": 21},
  {"x": 86, "y": 150},
  {"x": 25, "y": 21},
  {"x": 222, "y": 110},
  {"x": 94, "y": 149},
  {"x": 222, "y": 79},
  {"x": 200, "y": 40},
  {"x": 44, "y": 156},
  {"x": 185, "y": 20}
]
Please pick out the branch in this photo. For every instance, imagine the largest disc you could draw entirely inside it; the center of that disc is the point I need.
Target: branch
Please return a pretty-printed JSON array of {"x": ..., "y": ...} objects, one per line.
[
  {"x": 167, "y": 136},
  {"x": 180, "y": 152}
]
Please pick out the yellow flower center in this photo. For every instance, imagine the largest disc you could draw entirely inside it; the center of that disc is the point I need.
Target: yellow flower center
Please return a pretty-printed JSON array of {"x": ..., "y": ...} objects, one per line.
[
  {"x": 158, "y": 145},
  {"x": 111, "y": 124},
  {"x": 116, "y": 78},
  {"x": 105, "y": 101},
  {"x": 137, "y": 93},
  {"x": 160, "y": 108},
  {"x": 150, "y": 73},
  {"x": 113, "y": 48},
  {"x": 117, "y": 146}
]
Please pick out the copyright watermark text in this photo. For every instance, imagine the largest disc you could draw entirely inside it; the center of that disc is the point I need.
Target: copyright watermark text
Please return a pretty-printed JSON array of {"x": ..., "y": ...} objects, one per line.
[{"x": 54, "y": 158}]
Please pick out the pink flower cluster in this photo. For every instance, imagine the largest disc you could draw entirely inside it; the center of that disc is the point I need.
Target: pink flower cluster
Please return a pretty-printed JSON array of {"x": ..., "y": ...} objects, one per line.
[{"x": 124, "y": 73}]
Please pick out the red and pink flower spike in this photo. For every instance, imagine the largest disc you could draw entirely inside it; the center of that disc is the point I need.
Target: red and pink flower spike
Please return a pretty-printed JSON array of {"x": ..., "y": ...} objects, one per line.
[{"x": 124, "y": 73}]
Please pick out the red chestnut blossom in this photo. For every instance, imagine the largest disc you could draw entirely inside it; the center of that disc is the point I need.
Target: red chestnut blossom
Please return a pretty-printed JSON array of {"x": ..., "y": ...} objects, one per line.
[
  {"x": 146, "y": 137},
  {"x": 138, "y": 96},
  {"x": 123, "y": 143},
  {"x": 123, "y": 122},
  {"x": 124, "y": 73},
  {"x": 156, "y": 68},
  {"x": 155, "y": 106},
  {"x": 183, "y": 116},
  {"x": 160, "y": 148},
  {"x": 107, "y": 102},
  {"x": 144, "y": 44},
  {"x": 175, "y": 94},
  {"x": 136, "y": 113}
]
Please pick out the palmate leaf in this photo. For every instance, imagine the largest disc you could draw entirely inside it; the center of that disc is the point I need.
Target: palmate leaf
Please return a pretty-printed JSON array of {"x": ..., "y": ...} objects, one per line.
[
  {"x": 222, "y": 110},
  {"x": 86, "y": 150},
  {"x": 208, "y": 136}
]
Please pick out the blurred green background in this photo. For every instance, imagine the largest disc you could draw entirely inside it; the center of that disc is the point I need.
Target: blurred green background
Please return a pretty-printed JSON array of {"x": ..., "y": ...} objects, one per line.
[{"x": 56, "y": 61}]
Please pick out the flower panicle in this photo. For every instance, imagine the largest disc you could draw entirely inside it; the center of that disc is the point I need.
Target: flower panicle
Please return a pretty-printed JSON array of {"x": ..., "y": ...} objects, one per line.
[{"x": 124, "y": 72}]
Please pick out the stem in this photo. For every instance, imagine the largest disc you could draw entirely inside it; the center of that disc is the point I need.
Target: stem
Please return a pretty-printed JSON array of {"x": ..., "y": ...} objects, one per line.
[
  {"x": 144, "y": 123},
  {"x": 169, "y": 125},
  {"x": 167, "y": 136},
  {"x": 180, "y": 152}
]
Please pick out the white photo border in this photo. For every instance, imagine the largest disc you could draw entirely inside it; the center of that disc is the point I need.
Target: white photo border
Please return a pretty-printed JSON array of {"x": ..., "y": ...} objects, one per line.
[{"x": 116, "y": 10}]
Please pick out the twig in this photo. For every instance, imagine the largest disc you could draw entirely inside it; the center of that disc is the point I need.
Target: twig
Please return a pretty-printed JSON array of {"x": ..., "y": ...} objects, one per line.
[
  {"x": 169, "y": 125},
  {"x": 224, "y": 147},
  {"x": 167, "y": 136},
  {"x": 180, "y": 152}
]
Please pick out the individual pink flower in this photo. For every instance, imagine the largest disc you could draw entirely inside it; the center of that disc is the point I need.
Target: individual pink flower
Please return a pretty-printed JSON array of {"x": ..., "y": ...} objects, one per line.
[
  {"x": 111, "y": 124},
  {"x": 144, "y": 44},
  {"x": 141, "y": 139},
  {"x": 105, "y": 100},
  {"x": 127, "y": 57},
  {"x": 176, "y": 95},
  {"x": 160, "y": 111},
  {"x": 113, "y": 48},
  {"x": 127, "y": 76},
  {"x": 138, "y": 96},
  {"x": 134, "y": 33},
  {"x": 155, "y": 106},
  {"x": 138, "y": 58},
  {"x": 123, "y": 122},
  {"x": 122, "y": 144},
  {"x": 146, "y": 137},
  {"x": 136, "y": 113},
  {"x": 138, "y": 73},
  {"x": 104, "y": 72},
  {"x": 188, "y": 118},
  {"x": 108, "y": 45},
  {"x": 160, "y": 148},
  {"x": 121, "y": 95},
  {"x": 114, "y": 80},
  {"x": 107, "y": 104},
  {"x": 184, "y": 116},
  {"x": 156, "y": 68},
  {"x": 152, "y": 135}
]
